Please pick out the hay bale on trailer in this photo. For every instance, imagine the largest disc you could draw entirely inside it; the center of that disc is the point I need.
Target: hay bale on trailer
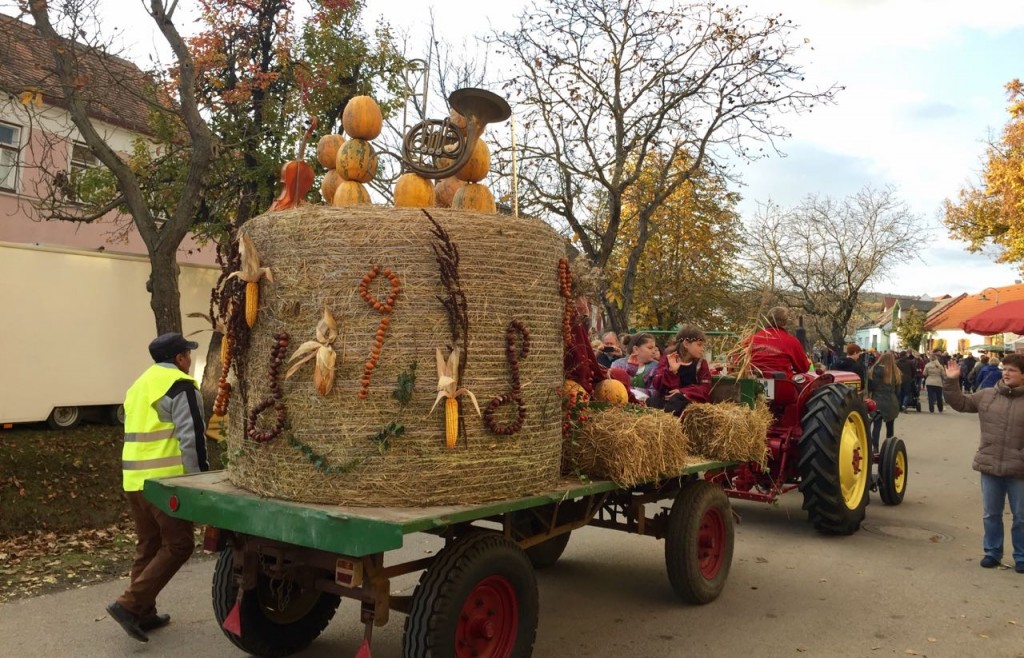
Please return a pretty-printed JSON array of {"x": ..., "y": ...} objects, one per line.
[
  {"x": 727, "y": 431},
  {"x": 389, "y": 279}
]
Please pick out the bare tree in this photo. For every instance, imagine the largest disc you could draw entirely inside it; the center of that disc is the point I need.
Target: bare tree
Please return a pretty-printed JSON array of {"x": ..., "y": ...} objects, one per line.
[
  {"x": 77, "y": 66},
  {"x": 602, "y": 84},
  {"x": 821, "y": 254}
]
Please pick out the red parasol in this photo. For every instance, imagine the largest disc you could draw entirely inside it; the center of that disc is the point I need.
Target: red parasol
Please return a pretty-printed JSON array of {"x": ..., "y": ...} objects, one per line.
[{"x": 1001, "y": 318}]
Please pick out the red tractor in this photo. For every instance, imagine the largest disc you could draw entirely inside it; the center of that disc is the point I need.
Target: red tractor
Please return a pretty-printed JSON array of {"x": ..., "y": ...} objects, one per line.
[{"x": 819, "y": 442}]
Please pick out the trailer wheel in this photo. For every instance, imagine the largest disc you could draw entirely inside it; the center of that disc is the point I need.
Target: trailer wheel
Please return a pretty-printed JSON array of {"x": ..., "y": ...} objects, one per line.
[
  {"x": 478, "y": 598},
  {"x": 115, "y": 414},
  {"x": 268, "y": 630},
  {"x": 835, "y": 460},
  {"x": 64, "y": 418},
  {"x": 892, "y": 471},
  {"x": 546, "y": 553},
  {"x": 699, "y": 542}
]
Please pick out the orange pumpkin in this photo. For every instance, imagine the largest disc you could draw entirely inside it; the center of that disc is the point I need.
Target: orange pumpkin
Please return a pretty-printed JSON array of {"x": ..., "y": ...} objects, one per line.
[
  {"x": 351, "y": 193},
  {"x": 457, "y": 118},
  {"x": 479, "y": 163},
  {"x": 414, "y": 191},
  {"x": 356, "y": 161},
  {"x": 474, "y": 196},
  {"x": 327, "y": 149},
  {"x": 329, "y": 186},
  {"x": 445, "y": 189},
  {"x": 611, "y": 390},
  {"x": 362, "y": 118},
  {"x": 574, "y": 392}
]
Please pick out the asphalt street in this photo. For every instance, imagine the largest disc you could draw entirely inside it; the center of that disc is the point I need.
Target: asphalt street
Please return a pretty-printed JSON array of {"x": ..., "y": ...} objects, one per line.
[{"x": 907, "y": 584}]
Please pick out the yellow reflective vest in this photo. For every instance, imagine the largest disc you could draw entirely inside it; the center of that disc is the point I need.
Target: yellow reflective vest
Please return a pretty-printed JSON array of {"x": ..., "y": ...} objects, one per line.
[{"x": 151, "y": 450}]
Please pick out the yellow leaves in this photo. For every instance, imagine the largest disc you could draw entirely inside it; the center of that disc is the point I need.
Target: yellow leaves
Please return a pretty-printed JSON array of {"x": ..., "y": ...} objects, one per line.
[{"x": 993, "y": 212}]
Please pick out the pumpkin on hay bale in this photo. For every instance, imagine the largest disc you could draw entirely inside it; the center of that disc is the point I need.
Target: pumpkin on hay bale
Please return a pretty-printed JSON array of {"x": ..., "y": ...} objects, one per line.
[
  {"x": 728, "y": 431},
  {"x": 370, "y": 438},
  {"x": 628, "y": 444}
]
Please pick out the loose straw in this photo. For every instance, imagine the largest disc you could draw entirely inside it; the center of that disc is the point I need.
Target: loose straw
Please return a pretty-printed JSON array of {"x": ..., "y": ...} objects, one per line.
[{"x": 515, "y": 173}]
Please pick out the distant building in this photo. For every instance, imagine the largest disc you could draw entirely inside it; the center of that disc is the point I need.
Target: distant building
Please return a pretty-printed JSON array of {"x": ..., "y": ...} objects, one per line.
[
  {"x": 944, "y": 323},
  {"x": 879, "y": 332}
]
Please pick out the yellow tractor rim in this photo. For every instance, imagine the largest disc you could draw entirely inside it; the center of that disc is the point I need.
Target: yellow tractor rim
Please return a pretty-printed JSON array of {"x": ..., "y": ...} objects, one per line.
[
  {"x": 900, "y": 479},
  {"x": 854, "y": 460}
]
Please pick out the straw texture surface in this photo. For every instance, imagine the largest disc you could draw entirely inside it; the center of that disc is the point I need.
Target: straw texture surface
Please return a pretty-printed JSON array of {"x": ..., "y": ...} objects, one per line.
[{"x": 328, "y": 452}]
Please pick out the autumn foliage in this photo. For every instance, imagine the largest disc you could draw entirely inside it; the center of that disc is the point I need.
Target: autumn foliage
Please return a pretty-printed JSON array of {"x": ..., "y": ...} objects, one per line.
[{"x": 992, "y": 212}]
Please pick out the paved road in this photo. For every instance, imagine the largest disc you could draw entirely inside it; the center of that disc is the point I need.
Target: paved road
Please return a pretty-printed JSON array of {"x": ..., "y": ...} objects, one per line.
[{"x": 909, "y": 584}]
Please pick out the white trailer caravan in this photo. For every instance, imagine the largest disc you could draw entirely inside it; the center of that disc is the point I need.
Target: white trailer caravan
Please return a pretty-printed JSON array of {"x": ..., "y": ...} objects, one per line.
[{"x": 74, "y": 327}]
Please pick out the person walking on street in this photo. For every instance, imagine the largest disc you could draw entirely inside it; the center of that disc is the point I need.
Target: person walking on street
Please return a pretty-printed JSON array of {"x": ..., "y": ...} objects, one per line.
[
  {"x": 1000, "y": 456},
  {"x": 163, "y": 436},
  {"x": 883, "y": 382},
  {"x": 853, "y": 362},
  {"x": 933, "y": 382}
]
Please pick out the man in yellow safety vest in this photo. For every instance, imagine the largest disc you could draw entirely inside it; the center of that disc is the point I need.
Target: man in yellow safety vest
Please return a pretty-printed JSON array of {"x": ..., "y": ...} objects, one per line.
[{"x": 163, "y": 436}]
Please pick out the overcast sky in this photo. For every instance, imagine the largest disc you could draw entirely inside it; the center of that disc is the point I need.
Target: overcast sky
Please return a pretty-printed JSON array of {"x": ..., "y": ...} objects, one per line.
[{"x": 924, "y": 90}]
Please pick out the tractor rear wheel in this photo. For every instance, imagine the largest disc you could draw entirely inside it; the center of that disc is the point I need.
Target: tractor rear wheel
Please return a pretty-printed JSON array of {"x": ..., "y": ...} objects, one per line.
[
  {"x": 892, "y": 471},
  {"x": 835, "y": 460}
]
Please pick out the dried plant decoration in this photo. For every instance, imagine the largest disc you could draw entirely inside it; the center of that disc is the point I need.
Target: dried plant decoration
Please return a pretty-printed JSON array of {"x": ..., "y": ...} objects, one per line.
[
  {"x": 448, "y": 387},
  {"x": 513, "y": 354},
  {"x": 322, "y": 349},
  {"x": 275, "y": 399},
  {"x": 251, "y": 273},
  {"x": 384, "y": 308},
  {"x": 447, "y": 256}
]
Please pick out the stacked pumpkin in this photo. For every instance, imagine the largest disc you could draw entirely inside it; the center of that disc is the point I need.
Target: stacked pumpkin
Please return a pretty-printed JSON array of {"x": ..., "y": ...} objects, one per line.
[
  {"x": 464, "y": 190},
  {"x": 351, "y": 163}
]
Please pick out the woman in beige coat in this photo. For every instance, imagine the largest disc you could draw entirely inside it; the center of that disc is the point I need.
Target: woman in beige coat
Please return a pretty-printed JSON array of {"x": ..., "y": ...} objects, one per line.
[
  {"x": 933, "y": 382},
  {"x": 1000, "y": 456}
]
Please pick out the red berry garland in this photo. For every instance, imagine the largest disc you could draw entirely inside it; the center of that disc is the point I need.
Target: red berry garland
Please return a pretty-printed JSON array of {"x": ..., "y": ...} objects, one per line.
[
  {"x": 565, "y": 282},
  {"x": 277, "y": 356},
  {"x": 512, "y": 356},
  {"x": 385, "y": 308}
]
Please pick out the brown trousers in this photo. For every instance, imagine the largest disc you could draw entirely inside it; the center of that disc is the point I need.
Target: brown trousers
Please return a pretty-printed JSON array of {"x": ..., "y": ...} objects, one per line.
[{"x": 164, "y": 545}]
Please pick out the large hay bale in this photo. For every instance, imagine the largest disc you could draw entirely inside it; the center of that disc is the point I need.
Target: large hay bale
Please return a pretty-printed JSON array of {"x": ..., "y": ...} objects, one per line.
[
  {"x": 319, "y": 255},
  {"x": 628, "y": 445},
  {"x": 727, "y": 431}
]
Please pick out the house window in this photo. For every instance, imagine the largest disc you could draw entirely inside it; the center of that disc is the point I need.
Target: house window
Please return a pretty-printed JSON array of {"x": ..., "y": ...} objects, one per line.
[
  {"x": 81, "y": 160},
  {"x": 10, "y": 147}
]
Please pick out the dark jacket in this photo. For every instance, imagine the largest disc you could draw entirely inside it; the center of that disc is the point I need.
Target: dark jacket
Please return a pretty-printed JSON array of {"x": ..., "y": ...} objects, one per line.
[
  {"x": 884, "y": 395},
  {"x": 846, "y": 364},
  {"x": 1001, "y": 412}
]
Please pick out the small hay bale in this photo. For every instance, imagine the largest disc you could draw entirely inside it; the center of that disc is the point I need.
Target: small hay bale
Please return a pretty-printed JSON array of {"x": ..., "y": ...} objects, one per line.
[
  {"x": 335, "y": 449},
  {"x": 628, "y": 445},
  {"x": 728, "y": 431}
]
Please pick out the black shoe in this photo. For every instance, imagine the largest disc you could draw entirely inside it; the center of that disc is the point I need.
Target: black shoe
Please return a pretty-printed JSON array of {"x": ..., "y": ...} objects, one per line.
[
  {"x": 1019, "y": 568},
  {"x": 152, "y": 623},
  {"x": 128, "y": 621},
  {"x": 989, "y": 562}
]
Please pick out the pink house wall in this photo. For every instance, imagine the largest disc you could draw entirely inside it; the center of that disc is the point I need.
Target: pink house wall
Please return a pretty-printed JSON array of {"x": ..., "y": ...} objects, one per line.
[{"x": 20, "y": 222}]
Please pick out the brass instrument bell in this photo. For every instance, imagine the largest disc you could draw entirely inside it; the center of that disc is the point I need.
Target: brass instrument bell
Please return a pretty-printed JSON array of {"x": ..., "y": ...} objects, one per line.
[{"x": 433, "y": 140}]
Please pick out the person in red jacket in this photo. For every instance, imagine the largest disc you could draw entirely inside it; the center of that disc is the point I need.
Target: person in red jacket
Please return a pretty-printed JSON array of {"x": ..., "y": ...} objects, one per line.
[
  {"x": 773, "y": 349},
  {"x": 683, "y": 375}
]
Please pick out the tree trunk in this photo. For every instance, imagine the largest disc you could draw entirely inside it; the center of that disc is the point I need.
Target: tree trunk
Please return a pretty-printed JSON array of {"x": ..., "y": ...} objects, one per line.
[
  {"x": 166, "y": 298},
  {"x": 617, "y": 317},
  {"x": 211, "y": 375}
]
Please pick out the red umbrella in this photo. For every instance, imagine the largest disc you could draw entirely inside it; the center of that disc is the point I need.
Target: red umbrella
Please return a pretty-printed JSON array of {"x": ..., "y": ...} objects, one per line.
[{"x": 1007, "y": 317}]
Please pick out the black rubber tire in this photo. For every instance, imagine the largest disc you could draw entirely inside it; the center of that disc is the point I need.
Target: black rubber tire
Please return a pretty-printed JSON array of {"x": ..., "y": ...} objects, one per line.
[
  {"x": 546, "y": 553},
  {"x": 828, "y": 411},
  {"x": 891, "y": 486},
  {"x": 696, "y": 505},
  {"x": 115, "y": 414},
  {"x": 64, "y": 418},
  {"x": 263, "y": 634},
  {"x": 430, "y": 628}
]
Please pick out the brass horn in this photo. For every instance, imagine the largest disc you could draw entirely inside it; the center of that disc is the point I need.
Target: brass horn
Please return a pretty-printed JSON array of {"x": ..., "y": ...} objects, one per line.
[{"x": 432, "y": 140}]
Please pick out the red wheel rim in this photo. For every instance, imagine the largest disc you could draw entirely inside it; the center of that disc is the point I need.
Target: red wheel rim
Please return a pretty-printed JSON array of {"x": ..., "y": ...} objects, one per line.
[
  {"x": 489, "y": 620},
  {"x": 711, "y": 543}
]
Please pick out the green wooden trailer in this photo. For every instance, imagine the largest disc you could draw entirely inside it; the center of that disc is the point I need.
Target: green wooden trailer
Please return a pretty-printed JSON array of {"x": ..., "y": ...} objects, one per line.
[{"x": 284, "y": 567}]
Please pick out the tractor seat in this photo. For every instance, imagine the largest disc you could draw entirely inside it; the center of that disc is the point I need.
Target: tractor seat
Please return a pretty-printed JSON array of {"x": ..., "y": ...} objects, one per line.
[{"x": 780, "y": 388}]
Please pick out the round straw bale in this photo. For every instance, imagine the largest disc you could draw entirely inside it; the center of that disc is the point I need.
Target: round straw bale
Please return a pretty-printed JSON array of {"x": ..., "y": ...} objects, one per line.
[{"x": 336, "y": 448}]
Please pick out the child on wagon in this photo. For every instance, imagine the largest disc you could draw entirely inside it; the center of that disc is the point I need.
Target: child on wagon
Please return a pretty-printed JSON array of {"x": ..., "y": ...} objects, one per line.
[{"x": 683, "y": 375}]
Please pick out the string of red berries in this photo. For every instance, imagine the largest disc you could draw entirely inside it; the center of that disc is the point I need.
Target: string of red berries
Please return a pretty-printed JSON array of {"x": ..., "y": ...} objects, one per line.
[
  {"x": 513, "y": 354},
  {"x": 277, "y": 357},
  {"x": 385, "y": 308},
  {"x": 565, "y": 281}
]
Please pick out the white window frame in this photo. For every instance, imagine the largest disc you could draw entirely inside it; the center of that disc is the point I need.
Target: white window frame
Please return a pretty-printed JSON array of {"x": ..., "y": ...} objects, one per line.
[
  {"x": 16, "y": 149},
  {"x": 80, "y": 165}
]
